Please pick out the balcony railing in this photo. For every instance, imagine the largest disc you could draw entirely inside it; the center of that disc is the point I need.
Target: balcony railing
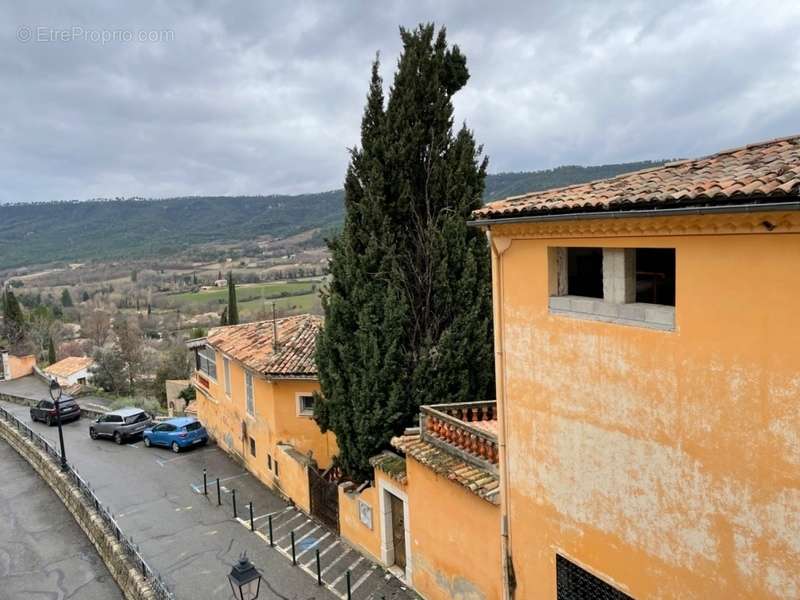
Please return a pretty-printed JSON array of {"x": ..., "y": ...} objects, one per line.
[{"x": 464, "y": 429}]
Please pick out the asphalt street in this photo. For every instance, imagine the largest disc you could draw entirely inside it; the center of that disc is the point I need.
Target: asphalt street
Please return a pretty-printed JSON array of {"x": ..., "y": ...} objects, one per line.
[
  {"x": 43, "y": 552},
  {"x": 183, "y": 534},
  {"x": 157, "y": 498}
]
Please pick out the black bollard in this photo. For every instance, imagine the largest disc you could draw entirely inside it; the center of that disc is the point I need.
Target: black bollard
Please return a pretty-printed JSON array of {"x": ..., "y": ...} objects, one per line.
[
  {"x": 252, "y": 525},
  {"x": 294, "y": 558},
  {"x": 348, "y": 585},
  {"x": 233, "y": 499},
  {"x": 271, "y": 541},
  {"x": 219, "y": 496},
  {"x": 319, "y": 572},
  {"x": 205, "y": 483}
]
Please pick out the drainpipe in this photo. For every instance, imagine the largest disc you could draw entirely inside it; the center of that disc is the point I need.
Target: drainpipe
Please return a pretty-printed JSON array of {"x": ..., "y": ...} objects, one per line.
[{"x": 498, "y": 246}]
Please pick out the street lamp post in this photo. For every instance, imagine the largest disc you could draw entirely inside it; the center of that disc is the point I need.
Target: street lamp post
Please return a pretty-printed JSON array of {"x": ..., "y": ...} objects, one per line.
[
  {"x": 245, "y": 579},
  {"x": 55, "y": 394}
]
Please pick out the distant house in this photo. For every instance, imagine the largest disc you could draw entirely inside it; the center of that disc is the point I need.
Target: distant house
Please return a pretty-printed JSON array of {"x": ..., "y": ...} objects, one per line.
[
  {"x": 14, "y": 367},
  {"x": 72, "y": 370},
  {"x": 221, "y": 283}
]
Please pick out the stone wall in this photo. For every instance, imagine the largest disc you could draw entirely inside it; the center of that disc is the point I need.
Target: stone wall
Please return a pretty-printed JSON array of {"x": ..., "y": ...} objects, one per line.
[{"x": 122, "y": 568}]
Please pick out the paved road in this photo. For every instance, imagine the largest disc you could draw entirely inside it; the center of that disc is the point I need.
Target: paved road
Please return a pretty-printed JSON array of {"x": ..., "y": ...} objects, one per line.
[
  {"x": 43, "y": 552},
  {"x": 157, "y": 498}
]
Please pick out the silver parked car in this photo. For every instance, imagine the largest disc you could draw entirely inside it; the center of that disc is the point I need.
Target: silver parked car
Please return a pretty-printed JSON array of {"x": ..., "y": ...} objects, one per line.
[{"x": 121, "y": 424}]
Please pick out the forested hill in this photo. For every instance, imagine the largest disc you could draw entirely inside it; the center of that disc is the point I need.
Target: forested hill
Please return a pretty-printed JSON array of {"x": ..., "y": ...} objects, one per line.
[{"x": 116, "y": 229}]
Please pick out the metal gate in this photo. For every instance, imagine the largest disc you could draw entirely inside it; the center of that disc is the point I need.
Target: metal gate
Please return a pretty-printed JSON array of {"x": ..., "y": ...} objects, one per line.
[{"x": 324, "y": 493}]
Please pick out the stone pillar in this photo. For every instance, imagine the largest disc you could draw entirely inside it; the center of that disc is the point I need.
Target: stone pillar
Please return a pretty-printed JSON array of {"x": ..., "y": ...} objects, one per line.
[
  {"x": 619, "y": 275},
  {"x": 557, "y": 271}
]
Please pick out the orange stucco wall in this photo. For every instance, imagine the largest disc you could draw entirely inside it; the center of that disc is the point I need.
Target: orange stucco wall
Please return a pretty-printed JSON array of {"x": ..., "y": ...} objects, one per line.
[
  {"x": 360, "y": 536},
  {"x": 276, "y": 422},
  {"x": 667, "y": 462},
  {"x": 455, "y": 538},
  {"x": 20, "y": 366}
]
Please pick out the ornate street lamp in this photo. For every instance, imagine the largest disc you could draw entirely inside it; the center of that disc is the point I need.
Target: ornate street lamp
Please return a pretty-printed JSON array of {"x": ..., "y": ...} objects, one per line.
[
  {"x": 245, "y": 579},
  {"x": 55, "y": 394}
]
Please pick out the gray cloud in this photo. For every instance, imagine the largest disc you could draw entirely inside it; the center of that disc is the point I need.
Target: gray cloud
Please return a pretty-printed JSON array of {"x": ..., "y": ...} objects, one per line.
[{"x": 258, "y": 98}]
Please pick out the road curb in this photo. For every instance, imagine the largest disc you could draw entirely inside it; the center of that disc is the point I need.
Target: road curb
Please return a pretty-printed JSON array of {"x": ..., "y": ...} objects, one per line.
[{"x": 122, "y": 569}]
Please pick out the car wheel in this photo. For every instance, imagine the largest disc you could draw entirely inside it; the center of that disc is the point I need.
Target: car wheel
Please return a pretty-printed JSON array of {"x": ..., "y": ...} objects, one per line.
[
  {"x": 118, "y": 438},
  {"x": 92, "y": 433},
  {"x": 147, "y": 442},
  {"x": 175, "y": 447},
  {"x": 49, "y": 421}
]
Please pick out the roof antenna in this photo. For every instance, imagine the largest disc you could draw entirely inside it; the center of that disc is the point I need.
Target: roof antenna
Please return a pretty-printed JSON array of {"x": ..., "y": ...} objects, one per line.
[{"x": 274, "y": 329}]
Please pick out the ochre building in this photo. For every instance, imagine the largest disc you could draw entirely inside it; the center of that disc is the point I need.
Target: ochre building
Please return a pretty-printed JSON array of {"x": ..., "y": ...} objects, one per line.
[{"x": 648, "y": 381}]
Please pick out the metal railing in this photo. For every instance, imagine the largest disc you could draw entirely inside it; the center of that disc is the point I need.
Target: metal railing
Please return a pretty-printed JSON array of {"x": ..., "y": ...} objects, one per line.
[{"x": 131, "y": 549}]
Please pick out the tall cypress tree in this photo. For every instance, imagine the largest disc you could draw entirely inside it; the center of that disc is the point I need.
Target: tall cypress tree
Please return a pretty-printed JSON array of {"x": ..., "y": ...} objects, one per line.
[
  {"x": 66, "y": 298},
  {"x": 233, "y": 307},
  {"x": 408, "y": 308},
  {"x": 51, "y": 351},
  {"x": 13, "y": 319}
]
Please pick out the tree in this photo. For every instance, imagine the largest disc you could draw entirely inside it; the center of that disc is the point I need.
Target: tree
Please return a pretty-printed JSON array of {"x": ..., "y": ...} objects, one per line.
[
  {"x": 223, "y": 318},
  {"x": 131, "y": 348},
  {"x": 174, "y": 364},
  {"x": 408, "y": 307},
  {"x": 233, "y": 307},
  {"x": 51, "y": 352},
  {"x": 85, "y": 296},
  {"x": 66, "y": 298},
  {"x": 108, "y": 371},
  {"x": 96, "y": 326},
  {"x": 14, "y": 326},
  {"x": 40, "y": 328}
]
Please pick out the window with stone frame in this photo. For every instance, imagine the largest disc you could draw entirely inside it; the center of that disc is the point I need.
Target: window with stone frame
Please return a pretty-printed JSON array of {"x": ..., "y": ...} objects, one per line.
[{"x": 634, "y": 286}]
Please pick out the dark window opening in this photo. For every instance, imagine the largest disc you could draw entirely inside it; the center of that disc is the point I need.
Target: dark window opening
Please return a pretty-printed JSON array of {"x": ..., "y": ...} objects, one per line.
[
  {"x": 655, "y": 276},
  {"x": 574, "y": 583},
  {"x": 252, "y": 446},
  {"x": 269, "y": 461},
  {"x": 275, "y": 462},
  {"x": 585, "y": 272}
]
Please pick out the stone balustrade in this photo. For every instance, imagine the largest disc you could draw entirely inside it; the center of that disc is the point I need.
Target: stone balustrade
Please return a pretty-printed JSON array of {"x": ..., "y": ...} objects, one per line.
[{"x": 466, "y": 429}]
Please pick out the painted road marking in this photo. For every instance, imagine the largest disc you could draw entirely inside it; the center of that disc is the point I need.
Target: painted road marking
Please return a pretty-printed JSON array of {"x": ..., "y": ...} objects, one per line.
[
  {"x": 329, "y": 548},
  {"x": 285, "y": 523},
  {"x": 132, "y": 446},
  {"x": 350, "y": 568},
  {"x": 273, "y": 513},
  {"x": 164, "y": 461},
  {"x": 213, "y": 482},
  {"x": 335, "y": 560},
  {"x": 362, "y": 579},
  {"x": 313, "y": 545}
]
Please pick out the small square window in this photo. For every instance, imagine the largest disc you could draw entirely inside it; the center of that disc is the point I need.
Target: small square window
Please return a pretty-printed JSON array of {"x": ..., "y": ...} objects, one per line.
[
  {"x": 252, "y": 446},
  {"x": 305, "y": 405},
  {"x": 655, "y": 276},
  {"x": 585, "y": 272}
]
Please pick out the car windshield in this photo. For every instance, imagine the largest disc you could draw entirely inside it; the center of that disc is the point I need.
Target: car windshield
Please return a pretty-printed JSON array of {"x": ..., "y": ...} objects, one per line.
[
  {"x": 192, "y": 426},
  {"x": 137, "y": 418}
]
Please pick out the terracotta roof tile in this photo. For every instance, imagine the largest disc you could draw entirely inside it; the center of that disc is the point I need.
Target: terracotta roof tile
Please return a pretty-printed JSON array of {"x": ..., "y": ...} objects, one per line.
[
  {"x": 479, "y": 481},
  {"x": 252, "y": 344},
  {"x": 391, "y": 464},
  {"x": 69, "y": 366},
  {"x": 767, "y": 170}
]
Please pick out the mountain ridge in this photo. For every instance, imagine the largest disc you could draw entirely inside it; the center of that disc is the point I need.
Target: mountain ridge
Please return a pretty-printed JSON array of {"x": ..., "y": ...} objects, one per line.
[{"x": 76, "y": 230}]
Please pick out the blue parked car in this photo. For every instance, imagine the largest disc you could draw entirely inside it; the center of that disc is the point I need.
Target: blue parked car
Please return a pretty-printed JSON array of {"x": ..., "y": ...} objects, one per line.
[{"x": 176, "y": 434}]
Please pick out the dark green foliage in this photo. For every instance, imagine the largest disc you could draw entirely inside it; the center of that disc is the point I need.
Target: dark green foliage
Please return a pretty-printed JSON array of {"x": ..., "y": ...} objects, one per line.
[
  {"x": 174, "y": 364},
  {"x": 85, "y": 296},
  {"x": 223, "y": 318},
  {"x": 66, "y": 298},
  {"x": 188, "y": 394},
  {"x": 233, "y": 307},
  {"x": 51, "y": 352},
  {"x": 109, "y": 371},
  {"x": 408, "y": 309},
  {"x": 14, "y": 325}
]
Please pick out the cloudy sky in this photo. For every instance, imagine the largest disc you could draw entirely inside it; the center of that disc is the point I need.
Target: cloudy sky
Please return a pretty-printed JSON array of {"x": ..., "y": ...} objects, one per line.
[{"x": 200, "y": 98}]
